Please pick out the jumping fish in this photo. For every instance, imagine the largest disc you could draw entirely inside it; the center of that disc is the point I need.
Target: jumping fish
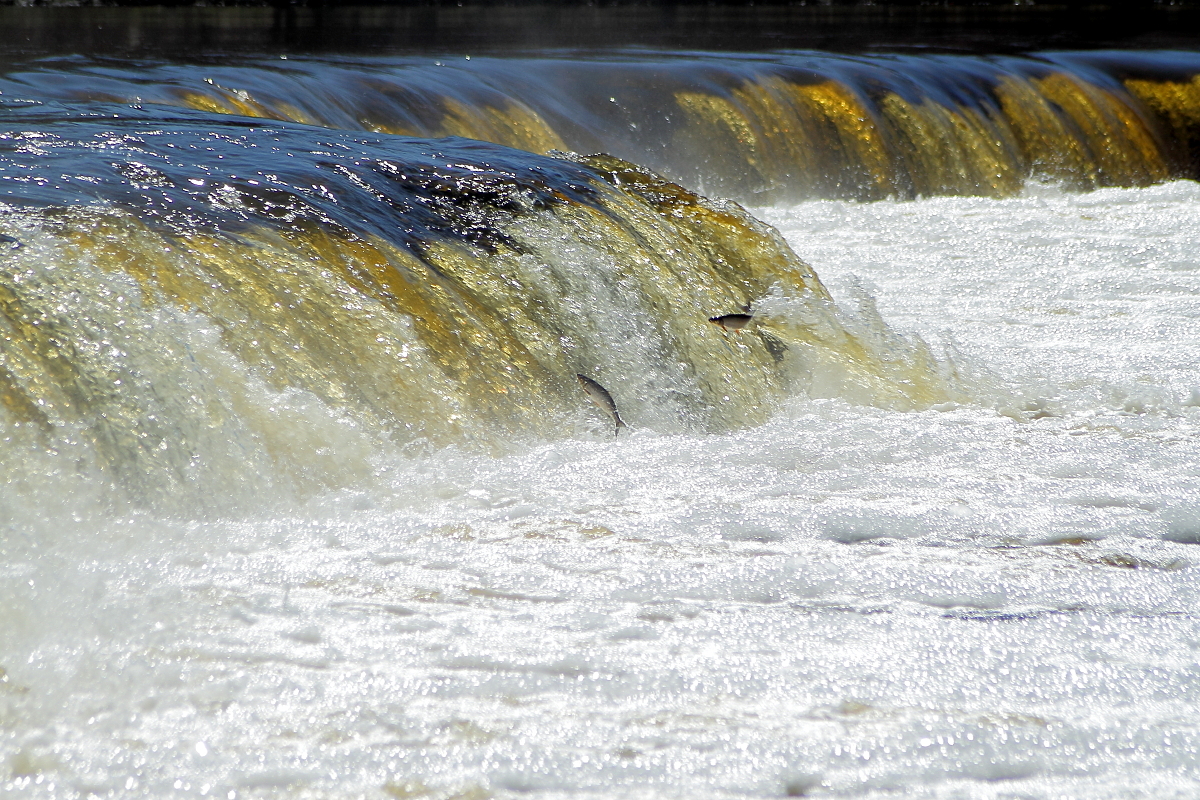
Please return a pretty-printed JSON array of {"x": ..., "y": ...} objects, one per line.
[
  {"x": 732, "y": 322},
  {"x": 600, "y": 396},
  {"x": 9, "y": 240}
]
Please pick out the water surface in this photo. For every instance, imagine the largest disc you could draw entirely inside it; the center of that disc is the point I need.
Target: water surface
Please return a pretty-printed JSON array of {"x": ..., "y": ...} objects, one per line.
[{"x": 302, "y": 497}]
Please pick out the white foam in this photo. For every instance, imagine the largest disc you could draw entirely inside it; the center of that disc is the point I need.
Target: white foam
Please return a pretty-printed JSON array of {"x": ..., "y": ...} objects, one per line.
[{"x": 994, "y": 599}]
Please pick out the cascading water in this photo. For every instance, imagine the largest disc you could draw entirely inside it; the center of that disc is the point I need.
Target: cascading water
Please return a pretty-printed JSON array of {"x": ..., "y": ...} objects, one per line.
[
  {"x": 442, "y": 295},
  {"x": 302, "y": 497}
]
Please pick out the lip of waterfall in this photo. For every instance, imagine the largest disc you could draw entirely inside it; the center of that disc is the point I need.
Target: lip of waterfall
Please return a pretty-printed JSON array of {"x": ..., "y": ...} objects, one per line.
[
  {"x": 188, "y": 167},
  {"x": 762, "y": 128}
]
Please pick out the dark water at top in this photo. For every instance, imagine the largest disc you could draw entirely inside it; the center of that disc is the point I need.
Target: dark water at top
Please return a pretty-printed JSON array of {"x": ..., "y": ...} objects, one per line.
[{"x": 493, "y": 28}]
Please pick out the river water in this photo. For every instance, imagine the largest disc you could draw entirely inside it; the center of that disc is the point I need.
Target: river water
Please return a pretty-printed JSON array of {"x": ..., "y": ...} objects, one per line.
[{"x": 303, "y": 499}]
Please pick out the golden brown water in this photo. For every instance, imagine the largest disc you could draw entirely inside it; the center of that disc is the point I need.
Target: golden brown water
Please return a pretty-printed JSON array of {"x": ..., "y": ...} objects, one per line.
[{"x": 200, "y": 315}]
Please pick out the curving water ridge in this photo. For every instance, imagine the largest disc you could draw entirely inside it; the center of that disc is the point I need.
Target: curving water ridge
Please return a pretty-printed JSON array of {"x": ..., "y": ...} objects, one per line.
[{"x": 441, "y": 292}]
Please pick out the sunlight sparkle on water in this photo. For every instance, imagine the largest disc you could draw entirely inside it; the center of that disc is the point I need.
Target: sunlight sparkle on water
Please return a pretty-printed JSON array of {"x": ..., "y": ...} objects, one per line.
[{"x": 983, "y": 600}]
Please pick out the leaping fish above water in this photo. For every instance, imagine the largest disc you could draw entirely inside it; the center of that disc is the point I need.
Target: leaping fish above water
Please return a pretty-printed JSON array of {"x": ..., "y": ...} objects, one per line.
[
  {"x": 600, "y": 396},
  {"x": 732, "y": 322}
]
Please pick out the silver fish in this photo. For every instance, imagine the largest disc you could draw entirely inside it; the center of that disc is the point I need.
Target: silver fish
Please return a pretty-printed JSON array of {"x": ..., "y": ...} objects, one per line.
[
  {"x": 732, "y": 322},
  {"x": 600, "y": 396}
]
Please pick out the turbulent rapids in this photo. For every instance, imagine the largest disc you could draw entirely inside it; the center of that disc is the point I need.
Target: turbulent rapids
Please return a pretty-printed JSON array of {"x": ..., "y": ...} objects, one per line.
[
  {"x": 204, "y": 271},
  {"x": 314, "y": 485}
]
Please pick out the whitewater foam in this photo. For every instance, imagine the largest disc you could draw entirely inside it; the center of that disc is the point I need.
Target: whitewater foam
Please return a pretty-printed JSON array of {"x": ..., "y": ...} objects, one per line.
[{"x": 991, "y": 598}]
